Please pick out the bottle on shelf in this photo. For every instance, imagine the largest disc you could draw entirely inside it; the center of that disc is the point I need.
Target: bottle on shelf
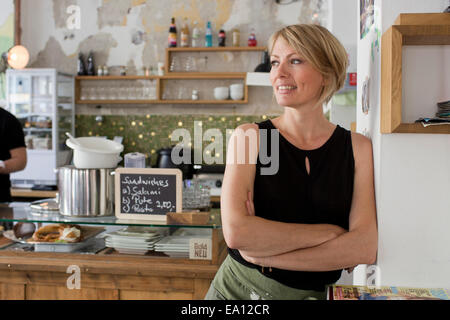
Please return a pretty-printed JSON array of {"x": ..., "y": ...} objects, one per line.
[
  {"x": 184, "y": 34},
  {"x": 222, "y": 38},
  {"x": 208, "y": 35},
  {"x": 81, "y": 67},
  {"x": 99, "y": 71},
  {"x": 90, "y": 64},
  {"x": 252, "y": 38},
  {"x": 264, "y": 66},
  {"x": 196, "y": 35},
  {"x": 172, "y": 40},
  {"x": 236, "y": 38}
]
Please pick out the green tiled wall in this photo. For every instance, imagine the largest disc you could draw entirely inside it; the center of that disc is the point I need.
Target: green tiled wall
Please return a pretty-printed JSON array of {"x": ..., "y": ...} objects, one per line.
[{"x": 147, "y": 134}]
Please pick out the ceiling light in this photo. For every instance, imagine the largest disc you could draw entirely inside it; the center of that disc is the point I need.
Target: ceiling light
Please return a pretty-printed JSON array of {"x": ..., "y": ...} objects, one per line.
[{"x": 18, "y": 57}]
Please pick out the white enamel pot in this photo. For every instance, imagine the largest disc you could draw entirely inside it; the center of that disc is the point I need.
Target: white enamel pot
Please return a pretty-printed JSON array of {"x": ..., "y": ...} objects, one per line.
[{"x": 95, "y": 153}]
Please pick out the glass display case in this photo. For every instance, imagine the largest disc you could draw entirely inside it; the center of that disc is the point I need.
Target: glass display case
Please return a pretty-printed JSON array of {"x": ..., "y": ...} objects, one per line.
[
  {"x": 43, "y": 101},
  {"x": 179, "y": 233}
]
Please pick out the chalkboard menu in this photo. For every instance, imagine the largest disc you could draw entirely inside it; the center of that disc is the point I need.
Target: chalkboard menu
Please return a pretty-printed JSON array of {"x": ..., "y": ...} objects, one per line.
[{"x": 147, "y": 194}]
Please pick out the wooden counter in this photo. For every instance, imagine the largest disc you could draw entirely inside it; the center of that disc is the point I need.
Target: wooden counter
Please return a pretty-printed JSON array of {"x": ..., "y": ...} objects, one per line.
[
  {"x": 28, "y": 193},
  {"x": 107, "y": 275}
]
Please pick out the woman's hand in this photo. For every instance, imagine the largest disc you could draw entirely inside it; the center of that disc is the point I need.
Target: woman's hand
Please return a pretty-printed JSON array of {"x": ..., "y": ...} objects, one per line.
[
  {"x": 248, "y": 258},
  {"x": 350, "y": 270}
]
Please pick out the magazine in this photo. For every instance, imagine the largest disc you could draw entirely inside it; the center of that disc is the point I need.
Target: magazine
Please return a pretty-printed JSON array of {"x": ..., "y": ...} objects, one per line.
[{"x": 340, "y": 292}]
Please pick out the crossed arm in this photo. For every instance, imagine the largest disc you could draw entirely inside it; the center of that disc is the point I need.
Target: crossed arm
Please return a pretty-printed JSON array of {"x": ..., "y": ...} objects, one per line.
[{"x": 304, "y": 247}]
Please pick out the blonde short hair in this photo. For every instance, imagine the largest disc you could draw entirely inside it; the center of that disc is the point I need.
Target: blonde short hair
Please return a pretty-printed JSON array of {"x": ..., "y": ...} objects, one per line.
[{"x": 321, "y": 49}]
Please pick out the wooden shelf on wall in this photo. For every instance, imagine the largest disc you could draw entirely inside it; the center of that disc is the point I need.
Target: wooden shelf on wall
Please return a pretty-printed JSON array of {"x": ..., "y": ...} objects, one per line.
[
  {"x": 158, "y": 101},
  {"x": 171, "y": 75},
  {"x": 169, "y": 51},
  {"x": 160, "y": 80},
  {"x": 212, "y": 49},
  {"x": 96, "y": 78},
  {"x": 205, "y": 75},
  {"x": 422, "y": 19},
  {"x": 392, "y": 42}
]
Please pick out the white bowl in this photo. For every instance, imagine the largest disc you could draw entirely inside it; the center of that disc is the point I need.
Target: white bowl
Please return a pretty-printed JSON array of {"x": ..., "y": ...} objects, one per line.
[
  {"x": 237, "y": 91},
  {"x": 221, "y": 93},
  {"x": 95, "y": 153}
]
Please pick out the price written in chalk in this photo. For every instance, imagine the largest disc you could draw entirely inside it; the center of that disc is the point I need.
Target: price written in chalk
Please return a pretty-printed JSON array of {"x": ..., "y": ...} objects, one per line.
[
  {"x": 147, "y": 193},
  {"x": 139, "y": 199}
]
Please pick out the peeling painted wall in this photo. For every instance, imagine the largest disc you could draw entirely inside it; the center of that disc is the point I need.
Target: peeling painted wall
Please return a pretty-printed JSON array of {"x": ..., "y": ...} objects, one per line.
[{"x": 134, "y": 33}]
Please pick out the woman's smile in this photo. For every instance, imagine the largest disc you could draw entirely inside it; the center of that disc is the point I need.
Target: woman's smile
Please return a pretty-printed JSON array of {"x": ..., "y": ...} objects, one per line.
[{"x": 286, "y": 89}]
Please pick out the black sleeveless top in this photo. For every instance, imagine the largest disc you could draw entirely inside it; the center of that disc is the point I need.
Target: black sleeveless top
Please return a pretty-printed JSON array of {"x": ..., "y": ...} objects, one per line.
[{"x": 292, "y": 195}]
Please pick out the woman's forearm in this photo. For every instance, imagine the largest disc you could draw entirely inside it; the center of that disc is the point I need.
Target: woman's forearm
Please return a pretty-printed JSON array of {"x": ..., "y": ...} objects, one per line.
[
  {"x": 347, "y": 250},
  {"x": 262, "y": 238}
]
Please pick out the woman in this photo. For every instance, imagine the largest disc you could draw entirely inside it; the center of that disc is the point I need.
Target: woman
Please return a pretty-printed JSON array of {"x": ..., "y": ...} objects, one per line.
[{"x": 290, "y": 234}]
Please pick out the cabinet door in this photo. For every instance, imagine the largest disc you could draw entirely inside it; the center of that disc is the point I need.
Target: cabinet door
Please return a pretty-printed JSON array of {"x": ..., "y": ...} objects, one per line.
[
  {"x": 64, "y": 121},
  {"x": 39, "y": 127},
  {"x": 18, "y": 94}
]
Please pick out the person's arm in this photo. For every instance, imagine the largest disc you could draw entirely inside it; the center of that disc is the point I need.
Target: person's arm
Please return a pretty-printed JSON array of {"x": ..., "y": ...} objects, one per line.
[
  {"x": 17, "y": 162},
  {"x": 359, "y": 245},
  {"x": 255, "y": 235}
]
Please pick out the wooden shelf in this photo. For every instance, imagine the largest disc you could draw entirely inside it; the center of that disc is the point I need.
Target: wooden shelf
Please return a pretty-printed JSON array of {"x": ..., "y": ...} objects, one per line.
[
  {"x": 28, "y": 193},
  {"x": 159, "y": 85},
  {"x": 204, "y": 101},
  {"x": 160, "y": 80},
  {"x": 205, "y": 75},
  {"x": 171, "y": 75},
  {"x": 213, "y": 49},
  {"x": 161, "y": 101},
  {"x": 169, "y": 51},
  {"x": 422, "y": 19},
  {"x": 419, "y": 128},
  {"x": 117, "y": 78},
  {"x": 392, "y": 42}
]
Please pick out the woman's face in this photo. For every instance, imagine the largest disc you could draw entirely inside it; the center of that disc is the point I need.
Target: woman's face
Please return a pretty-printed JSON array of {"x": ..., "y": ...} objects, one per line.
[{"x": 295, "y": 82}]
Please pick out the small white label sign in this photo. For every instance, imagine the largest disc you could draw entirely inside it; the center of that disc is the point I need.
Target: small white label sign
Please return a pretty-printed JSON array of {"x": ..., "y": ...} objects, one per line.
[{"x": 200, "y": 248}]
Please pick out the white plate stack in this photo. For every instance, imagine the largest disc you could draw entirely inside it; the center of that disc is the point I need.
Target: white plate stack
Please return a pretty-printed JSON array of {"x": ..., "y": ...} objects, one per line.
[
  {"x": 174, "y": 246},
  {"x": 177, "y": 245},
  {"x": 132, "y": 240}
]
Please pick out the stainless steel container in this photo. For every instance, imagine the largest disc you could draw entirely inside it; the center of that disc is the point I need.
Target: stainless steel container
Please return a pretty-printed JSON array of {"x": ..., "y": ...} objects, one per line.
[{"x": 85, "y": 192}]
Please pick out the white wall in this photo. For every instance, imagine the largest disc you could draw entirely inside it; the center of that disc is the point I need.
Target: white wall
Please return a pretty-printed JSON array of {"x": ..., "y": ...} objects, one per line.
[
  {"x": 412, "y": 172},
  {"x": 342, "y": 22},
  {"x": 343, "y": 18}
]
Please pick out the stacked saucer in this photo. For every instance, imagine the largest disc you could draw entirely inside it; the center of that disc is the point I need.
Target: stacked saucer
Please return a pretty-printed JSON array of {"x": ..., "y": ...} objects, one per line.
[
  {"x": 132, "y": 240},
  {"x": 174, "y": 246},
  {"x": 177, "y": 245}
]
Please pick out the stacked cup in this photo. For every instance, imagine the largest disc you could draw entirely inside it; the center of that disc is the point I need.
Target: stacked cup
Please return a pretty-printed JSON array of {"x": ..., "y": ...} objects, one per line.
[{"x": 237, "y": 91}]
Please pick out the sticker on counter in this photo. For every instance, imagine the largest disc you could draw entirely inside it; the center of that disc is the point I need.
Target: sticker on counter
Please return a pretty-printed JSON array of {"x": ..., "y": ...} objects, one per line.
[
  {"x": 147, "y": 194},
  {"x": 200, "y": 248}
]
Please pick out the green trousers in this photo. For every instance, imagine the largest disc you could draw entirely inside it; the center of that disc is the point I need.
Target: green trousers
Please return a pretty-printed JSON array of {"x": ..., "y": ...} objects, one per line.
[{"x": 235, "y": 281}]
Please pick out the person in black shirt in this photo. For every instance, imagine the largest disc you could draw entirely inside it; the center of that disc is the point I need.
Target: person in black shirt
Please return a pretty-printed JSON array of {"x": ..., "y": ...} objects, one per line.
[
  {"x": 291, "y": 230},
  {"x": 13, "y": 154}
]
